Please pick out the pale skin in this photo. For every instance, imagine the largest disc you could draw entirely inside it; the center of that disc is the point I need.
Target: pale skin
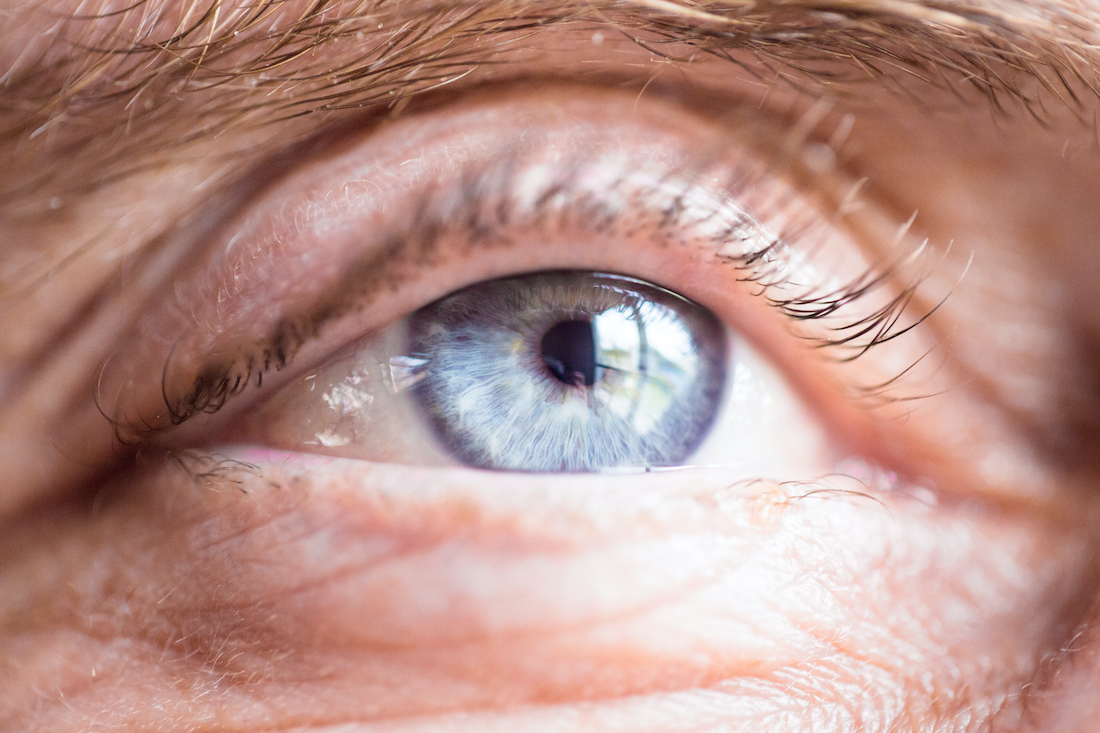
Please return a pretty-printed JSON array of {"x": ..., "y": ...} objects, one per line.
[{"x": 147, "y": 586}]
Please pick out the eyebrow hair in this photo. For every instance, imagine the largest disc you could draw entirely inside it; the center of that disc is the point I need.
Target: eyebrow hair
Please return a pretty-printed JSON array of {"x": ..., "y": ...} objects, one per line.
[{"x": 124, "y": 76}]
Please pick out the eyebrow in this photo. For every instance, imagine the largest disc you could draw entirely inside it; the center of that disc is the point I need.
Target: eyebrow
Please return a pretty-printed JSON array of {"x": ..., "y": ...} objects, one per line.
[{"x": 125, "y": 75}]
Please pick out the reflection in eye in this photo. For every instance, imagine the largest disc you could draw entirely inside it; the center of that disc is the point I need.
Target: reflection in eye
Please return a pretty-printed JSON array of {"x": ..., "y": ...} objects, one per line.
[{"x": 568, "y": 372}]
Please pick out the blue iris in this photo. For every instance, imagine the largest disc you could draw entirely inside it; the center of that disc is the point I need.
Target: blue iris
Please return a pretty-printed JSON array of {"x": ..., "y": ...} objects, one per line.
[{"x": 569, "y": 371}]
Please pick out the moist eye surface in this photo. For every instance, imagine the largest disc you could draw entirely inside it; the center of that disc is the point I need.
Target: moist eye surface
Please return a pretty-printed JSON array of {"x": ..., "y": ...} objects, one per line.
[{"x": 569, "y": 372}]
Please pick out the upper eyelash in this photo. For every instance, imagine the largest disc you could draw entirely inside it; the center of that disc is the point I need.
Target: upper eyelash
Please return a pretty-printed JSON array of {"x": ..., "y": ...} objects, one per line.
[{"x": 480, "y": 208}]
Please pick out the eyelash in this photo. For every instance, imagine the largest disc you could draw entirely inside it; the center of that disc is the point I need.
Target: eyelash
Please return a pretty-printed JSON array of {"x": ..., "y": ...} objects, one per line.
[{"x": 480, "y": 209}]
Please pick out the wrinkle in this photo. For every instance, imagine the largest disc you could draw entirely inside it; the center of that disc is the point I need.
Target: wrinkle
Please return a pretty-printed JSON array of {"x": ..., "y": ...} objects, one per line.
[{"x": 247, "y": 630}]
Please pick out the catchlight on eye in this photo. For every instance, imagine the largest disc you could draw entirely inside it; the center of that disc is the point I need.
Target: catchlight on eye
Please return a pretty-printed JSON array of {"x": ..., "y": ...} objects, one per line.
[{"x": 568, "y": 371}]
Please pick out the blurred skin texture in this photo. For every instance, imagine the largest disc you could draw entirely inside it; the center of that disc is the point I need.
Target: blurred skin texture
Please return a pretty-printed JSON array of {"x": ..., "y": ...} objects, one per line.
[{"x": 203, "y": 202}]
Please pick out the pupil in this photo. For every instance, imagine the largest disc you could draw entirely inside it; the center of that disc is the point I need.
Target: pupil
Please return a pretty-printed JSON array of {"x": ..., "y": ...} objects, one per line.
[{"x": 569, "y": 350}]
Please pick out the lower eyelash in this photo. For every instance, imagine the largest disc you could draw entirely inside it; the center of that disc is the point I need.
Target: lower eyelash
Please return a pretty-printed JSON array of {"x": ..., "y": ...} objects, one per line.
[
  {"x": 671, "y": 205},
  {"x": 855, "y": 480}
]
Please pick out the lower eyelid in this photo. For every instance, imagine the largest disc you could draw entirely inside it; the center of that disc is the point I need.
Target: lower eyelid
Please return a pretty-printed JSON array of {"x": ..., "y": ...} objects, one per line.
[{"x": 656, "y": 583}]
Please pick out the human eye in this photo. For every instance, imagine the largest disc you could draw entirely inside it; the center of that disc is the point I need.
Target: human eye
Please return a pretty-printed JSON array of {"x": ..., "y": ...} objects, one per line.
[
  {"x": 691, "y": 210},
  {"x": 564, "y": 402}
]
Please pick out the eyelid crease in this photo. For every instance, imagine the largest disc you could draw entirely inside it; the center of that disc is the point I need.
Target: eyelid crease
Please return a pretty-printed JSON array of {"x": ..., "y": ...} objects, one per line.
[{"x": 480, "y": 209}]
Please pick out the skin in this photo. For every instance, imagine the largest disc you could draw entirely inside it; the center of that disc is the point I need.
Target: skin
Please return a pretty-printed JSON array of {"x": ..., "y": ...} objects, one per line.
[{"x": 144, "y": 588}]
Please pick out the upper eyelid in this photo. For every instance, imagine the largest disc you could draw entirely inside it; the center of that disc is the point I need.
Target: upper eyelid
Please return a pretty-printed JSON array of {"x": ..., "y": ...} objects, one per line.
[
  {"x": 233, "y": 370},
  {"x": 363, "y": 278}
]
